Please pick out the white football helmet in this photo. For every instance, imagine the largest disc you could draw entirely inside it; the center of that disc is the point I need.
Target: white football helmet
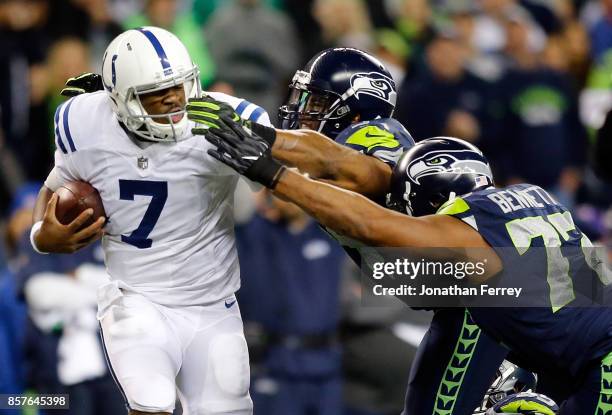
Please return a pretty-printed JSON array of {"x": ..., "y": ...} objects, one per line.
[{"x": 145, "y": 60}]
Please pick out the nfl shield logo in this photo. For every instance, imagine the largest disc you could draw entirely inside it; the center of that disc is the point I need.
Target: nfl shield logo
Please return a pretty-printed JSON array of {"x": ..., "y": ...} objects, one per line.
[{"x": 143, "y": 162}]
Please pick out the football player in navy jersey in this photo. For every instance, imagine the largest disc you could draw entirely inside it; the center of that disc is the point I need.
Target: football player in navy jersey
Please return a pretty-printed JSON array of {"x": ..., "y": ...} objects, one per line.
[
  {"x": 348, "y": 95},
  {"x": 447, "y": 185}
]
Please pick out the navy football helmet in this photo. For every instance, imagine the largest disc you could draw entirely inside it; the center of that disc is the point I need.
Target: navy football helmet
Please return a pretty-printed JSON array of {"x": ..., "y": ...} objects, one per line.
[
  {"x": 435, "y": 170},
  {"x": 509, "y": 380},
  {"x": 338, "y": 87}
]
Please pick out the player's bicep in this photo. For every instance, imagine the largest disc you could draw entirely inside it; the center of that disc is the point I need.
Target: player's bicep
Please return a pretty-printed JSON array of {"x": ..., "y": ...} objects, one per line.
[
  {"x": 435, "y": 237},
  {"x": 432, "y": 231}
]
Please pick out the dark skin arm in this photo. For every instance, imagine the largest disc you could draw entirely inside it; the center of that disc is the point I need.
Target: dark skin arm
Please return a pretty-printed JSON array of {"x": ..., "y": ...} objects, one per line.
[
  {"x": 309, "y": 151},
  {"x": 53, "y": 237},
  {"x": 357, "y": 217},
  {"x": 323, "y": 159}
]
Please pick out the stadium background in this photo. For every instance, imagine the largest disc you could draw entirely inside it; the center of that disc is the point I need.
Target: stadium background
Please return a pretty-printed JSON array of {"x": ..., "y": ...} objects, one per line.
[{"x": 529, "y": 81}]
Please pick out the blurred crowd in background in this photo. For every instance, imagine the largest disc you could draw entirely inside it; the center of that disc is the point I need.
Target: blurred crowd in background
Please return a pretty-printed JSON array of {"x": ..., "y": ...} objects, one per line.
[{"x": 529, "y": 81}]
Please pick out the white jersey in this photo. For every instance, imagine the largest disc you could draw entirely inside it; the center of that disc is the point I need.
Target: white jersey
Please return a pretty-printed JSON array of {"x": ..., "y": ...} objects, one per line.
[{"x": 170, "y": 229}]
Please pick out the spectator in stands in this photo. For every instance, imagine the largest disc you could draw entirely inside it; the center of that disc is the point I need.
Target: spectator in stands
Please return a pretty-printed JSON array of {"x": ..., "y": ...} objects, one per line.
[
  {"x": 203, "y": 9},
  {"x": 309, "y": 31},
  {"x": 66, "y": 57},
  {"x": 543, "y": 141},
  {"x": 23, "y": 41},
  {"x": 101, "y": 29},
  {"x": 489, "y": 33},
  {"x": 89, "y": 20},
  {"x": 259, "y": 59},
  {"x": 12, "y": 310},
  {"x": 466, "y": 19},
  {"x": 444, "y": 99},
  {"x": 344, "y": 23},
  {"x": 165, "y": 14},
  {"x": 601, "y": 32},
  {"x": 290, "y": 287},
  {"x": 574, "y": 40},
  {"x": 401, "y": 45}
]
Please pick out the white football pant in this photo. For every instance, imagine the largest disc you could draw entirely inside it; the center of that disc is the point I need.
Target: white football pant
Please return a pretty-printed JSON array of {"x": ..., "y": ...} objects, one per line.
[{"x": 201, "y": 350}]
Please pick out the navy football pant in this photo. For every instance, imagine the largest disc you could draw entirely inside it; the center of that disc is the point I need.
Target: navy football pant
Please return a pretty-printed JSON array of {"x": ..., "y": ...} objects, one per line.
[
  {"x": 454, "y": 366},
  {"x": 592, "y": 395}
]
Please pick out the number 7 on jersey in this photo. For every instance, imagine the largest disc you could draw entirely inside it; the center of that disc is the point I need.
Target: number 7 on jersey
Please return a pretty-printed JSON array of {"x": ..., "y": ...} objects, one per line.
[{"x": 159, "y": 194}]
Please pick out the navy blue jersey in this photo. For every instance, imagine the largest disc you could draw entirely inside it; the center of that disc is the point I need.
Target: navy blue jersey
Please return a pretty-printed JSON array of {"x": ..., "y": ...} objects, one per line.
[
  {"x": 384, "y": 138},
  {"x": 520, "y": 222}
]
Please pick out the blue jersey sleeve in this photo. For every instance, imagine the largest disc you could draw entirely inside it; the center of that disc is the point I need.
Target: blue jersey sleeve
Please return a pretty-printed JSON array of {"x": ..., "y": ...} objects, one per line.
[{"x": 385, "y": 139}]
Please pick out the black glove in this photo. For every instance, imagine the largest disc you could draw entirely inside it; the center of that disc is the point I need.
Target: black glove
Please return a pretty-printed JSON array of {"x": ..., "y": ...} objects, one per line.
[
  {"x": 247, "y": 153},
  {"x": 85, "y": 82},
  {"x": 221, "y": 116}
]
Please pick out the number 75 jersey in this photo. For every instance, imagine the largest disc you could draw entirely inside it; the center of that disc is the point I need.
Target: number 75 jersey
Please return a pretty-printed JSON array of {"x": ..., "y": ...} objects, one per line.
[
  {"x": 170, "y": 229},
  {"x": 564, "y": 324}
]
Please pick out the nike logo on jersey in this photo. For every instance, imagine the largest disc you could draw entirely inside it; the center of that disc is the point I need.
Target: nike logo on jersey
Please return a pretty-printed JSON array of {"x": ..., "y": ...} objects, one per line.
[{"x": 229, "y": 304}]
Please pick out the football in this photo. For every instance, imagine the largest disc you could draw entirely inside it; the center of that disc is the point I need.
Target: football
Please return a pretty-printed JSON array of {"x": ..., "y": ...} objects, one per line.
[{"x": 74, "y": 198}]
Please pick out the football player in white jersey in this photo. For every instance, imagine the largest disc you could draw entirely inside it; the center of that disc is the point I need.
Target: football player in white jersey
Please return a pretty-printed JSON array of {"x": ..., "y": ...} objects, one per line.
[{"x": 169, "y": 319}]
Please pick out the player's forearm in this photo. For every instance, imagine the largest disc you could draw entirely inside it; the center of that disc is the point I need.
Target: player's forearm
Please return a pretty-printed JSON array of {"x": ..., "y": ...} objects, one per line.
[
  {"x": 345, "y": 212},
  {"x": 324, "y": 159},
  {"x": 355, "y": 216},
  {"x": 307, "y": 150}
]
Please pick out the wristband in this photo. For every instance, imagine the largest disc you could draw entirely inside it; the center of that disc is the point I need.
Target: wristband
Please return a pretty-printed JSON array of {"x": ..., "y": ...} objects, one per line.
[
  {"x": 280, "y": 173},
  {"x": 36, "y": 228},
  {"x": 266, "y": 171}
]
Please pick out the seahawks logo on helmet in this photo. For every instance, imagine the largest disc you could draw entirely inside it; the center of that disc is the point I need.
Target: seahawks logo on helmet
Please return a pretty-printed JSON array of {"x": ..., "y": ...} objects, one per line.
[
  {"x": 448, "y": 161},
  {"x": 375, "y": 84}
]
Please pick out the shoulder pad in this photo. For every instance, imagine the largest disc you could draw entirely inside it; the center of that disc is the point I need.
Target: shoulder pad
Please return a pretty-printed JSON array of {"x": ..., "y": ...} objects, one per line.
[
  {"x": 385, "y": 139},
  {"x": 81, "y": 113}
]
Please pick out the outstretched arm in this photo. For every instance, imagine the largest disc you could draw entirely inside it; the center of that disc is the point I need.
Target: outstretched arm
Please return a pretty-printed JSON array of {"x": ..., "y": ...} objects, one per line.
[
  {"x": 346, "y": 212},
  {"x": 309, "y": 151},
  {"x": 324, "y": 159},
  {"x": 353, "y": 215}
]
